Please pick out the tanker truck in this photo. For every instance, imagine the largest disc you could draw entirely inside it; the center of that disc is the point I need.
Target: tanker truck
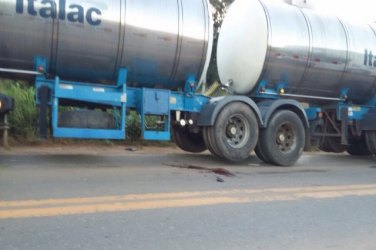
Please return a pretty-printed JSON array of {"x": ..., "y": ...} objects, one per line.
[{"x": 296, "y": 79}]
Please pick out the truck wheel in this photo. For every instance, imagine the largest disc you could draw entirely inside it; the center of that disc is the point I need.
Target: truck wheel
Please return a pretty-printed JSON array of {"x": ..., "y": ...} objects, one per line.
[
  {"x": 260, "y": 154},
  {"x": 282, "y": 141},
  {"x": 371, "y": 141},
  {"x": 235, "y": 132},
  {"x": 334, "y": 145},
  {"x": 331, "y": 144},
  {"x": 359, "y": 147},
  {"x": 207, "y": 133},
  {"x": 91, "y": 119},
  {"x": 324, "y": 146},
  {"x": 187, "y": 141}
]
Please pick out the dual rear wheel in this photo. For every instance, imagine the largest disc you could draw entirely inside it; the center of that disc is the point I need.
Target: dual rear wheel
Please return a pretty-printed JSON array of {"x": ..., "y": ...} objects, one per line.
[
  {"x": 233, "y": 137},
  {"x": 282, "y": 142},
  {"x": 236, "y": 134},
  {"x": 371, "y": 142},
  {"x": 358, "y": 147}
]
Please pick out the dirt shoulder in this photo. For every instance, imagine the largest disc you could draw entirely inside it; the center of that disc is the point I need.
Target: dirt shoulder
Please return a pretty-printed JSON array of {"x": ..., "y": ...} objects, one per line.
[{"x": 89, "y": 149}]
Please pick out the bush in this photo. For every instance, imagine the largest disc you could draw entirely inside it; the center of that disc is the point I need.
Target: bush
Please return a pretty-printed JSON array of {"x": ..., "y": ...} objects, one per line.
[
  {"x": 133, "y": 126},
  {"x": 23, "y": 119}
]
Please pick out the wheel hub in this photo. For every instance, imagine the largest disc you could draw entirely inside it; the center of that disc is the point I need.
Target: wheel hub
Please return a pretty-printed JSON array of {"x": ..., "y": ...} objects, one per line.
[
  {"x": 285, "y": 138},
  {"x": 281, "y": 137},
  {"x": 233, "y": 131},
  {"x": 237, "y": 131}
]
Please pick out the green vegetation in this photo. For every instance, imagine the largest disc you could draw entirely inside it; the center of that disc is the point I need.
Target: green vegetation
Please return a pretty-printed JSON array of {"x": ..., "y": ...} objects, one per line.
[
  {"x": 23, "y": 119},
  {"x": 220, "y": 9},
  {"x": 133, "y": 126}
]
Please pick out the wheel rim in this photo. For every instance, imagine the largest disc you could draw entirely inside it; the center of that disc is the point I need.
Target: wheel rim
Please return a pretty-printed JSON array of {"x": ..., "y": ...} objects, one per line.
[
  {"x": 237, "y": 131},
  {"x": 286, "y": 137}
]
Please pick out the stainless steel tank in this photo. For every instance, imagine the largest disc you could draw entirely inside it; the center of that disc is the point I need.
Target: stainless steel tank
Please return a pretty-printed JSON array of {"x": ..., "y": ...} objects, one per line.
[
  {"x": 312, "y": 54},
  {"x": 161, "y": 42}
]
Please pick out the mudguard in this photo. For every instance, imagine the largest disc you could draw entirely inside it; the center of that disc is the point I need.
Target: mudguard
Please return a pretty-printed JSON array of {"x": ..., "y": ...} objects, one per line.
[
  {"x": 209, "y": 113},
  {"x": 267, "y": 109}
]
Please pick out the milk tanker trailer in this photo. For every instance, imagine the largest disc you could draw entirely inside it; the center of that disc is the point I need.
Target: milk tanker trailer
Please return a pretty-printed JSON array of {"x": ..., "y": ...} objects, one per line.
[{"x": 297, "y": 78}]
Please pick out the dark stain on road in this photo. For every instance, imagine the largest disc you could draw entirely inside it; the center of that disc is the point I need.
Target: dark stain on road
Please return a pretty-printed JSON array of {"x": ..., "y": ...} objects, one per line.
[{"x": 219, "y": 171}]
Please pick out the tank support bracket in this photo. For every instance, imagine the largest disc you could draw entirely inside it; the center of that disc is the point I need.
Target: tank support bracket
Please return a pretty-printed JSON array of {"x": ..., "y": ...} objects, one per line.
[{"x": 57, "y": 93}]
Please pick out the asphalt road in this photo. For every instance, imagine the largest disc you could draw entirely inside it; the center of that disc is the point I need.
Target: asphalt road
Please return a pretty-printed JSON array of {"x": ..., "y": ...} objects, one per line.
[{"x": 162, "y": 198}]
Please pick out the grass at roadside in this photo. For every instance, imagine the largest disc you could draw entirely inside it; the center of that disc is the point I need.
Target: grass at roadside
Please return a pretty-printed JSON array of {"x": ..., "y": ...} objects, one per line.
[{"x": 23, "y": 119}]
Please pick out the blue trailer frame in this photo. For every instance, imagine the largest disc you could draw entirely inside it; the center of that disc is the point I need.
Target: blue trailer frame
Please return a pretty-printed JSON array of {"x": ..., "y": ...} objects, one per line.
[
  {"x": 146, "y": 101},
  {"x": 194, "y": 113}
]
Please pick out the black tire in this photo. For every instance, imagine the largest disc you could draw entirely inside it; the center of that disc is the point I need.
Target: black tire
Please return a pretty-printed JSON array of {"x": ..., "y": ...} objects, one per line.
[
  {"x": 334, "y": 145},
  {"x": 207, "y": 131},
  {"x": 260, "y": 154},
  {"x": 87, "y": 119},
  {"x": 331, "y": 144},
  {"x": 371, "y": 141},
  {"x": 358, "y": 147},
  {"x": 282, "y": 141},
  {"x": 187, "y": 141},
  {"x": 235, "y": 132},
  {"x": 324, "y": 146}
]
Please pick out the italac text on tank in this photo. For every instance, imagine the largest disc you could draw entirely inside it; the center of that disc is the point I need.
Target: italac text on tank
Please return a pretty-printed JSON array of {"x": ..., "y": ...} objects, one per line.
[{"x": 75, "y": 13}]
